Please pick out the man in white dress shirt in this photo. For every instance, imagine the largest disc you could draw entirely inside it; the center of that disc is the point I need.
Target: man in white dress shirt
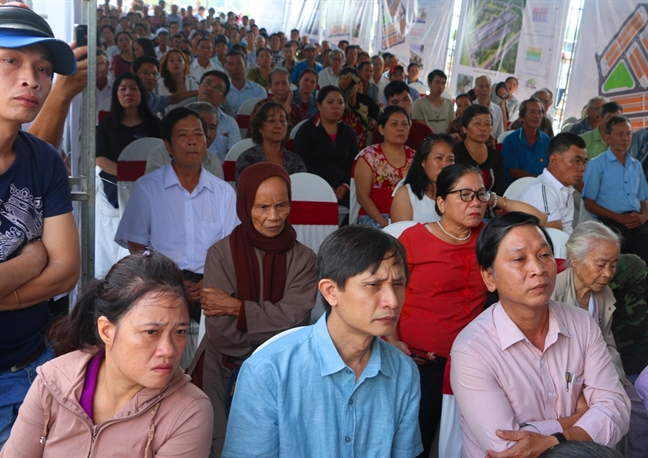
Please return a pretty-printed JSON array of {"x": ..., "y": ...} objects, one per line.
[
  {"x": 204, "y": 62},
  {"x": 180, "y": 210},
  {"x": 552, "y": 191},
  {"x": 483, "y": 90}
]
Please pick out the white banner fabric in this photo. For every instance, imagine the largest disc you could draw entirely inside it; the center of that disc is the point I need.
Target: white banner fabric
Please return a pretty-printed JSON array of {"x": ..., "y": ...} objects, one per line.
[{"x": 611, "y": 59}]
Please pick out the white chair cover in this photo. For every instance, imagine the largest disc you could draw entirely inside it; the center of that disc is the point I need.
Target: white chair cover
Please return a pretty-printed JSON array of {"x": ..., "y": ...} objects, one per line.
[
  {"x": 229, "y": 166},
  {"x": 396, "y": 229},
  {"x": 450, "y": 431},
  {"x": 314, "y": 213},
  {"x": 277, "y": 337},
  {"x": 294, "y": 130},
  {"x": 503, "y": 135},
  {"x": 243, "y": 115},
  {"x": 354, "y": 205},
  {"x": 559, "y": 239},
  {"x": 130, "y": 166},
  {"x": 515, "y": 190}
]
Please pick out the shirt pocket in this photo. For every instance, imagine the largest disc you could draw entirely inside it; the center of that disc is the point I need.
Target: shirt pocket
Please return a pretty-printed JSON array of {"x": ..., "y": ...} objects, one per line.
[{"x": 212, "y": 232}]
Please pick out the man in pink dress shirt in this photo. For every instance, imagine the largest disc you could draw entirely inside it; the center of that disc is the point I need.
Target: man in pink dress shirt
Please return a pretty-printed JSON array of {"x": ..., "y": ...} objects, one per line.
[{"x": 529, "y": 373}]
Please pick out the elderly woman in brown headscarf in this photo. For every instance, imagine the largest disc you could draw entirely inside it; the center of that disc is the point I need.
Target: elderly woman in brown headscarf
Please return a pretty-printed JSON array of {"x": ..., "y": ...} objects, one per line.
[{"x": 258, "y": 282}]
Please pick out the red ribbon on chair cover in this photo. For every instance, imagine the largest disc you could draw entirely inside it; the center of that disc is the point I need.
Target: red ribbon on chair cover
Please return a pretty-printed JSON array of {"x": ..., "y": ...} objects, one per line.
[
  {"x": 317, "y": 213},
  {"x": 243, "y": 121},
  {"x": 130, "y": 170},
  {"x": 229, "y": 170}
]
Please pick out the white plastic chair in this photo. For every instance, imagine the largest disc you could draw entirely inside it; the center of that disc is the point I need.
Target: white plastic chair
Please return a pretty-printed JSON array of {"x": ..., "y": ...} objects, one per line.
[
  {"x": 448, "y": 94},
  {"x": 559, "y": 239},
  {"x": 314, "y": 212},
  {"x": 243, "y": 115},
  {"x": 229, "y": 166},
  {"x": 294, "y": 130},
  {"x": 583, "y": 214},
  {"x": 421, "y": 88},
  {"x": 503, "y": 135},
  {"x": 396, "y": 229},
  {"x": 566, "y": 127},
  {"x": 130, "y": 166},
  {"x": 277, "y": 337},
  {"x": 515, "y": 190},
  {"x": 354, "y": 205}
]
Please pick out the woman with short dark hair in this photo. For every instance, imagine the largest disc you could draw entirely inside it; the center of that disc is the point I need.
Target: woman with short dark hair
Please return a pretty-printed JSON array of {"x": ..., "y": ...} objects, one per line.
[{"x": 269, "y": 128}]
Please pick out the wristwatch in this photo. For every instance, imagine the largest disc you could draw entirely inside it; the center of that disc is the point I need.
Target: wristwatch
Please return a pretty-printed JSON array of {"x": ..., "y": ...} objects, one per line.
[{"x": 560, "y": 436}]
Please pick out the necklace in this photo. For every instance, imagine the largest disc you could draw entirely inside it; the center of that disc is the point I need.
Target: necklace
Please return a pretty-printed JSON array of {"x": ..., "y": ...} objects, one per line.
[{"x": 452, "y": 236}]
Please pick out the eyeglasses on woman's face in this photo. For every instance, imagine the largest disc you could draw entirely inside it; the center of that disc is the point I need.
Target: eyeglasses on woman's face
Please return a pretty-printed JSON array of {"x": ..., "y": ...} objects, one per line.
[{"x": 467, "y": 195}]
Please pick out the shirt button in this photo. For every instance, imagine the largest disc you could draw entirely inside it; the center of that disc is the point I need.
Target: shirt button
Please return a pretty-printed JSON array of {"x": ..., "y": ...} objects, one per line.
[
  {"x": 347, "y": 439},
  {"x": 350, "y": 401},
  {"x": 348, "y": 371},
  {"x": 550, "y": 393},
  {"x": 542, "y": 362}
]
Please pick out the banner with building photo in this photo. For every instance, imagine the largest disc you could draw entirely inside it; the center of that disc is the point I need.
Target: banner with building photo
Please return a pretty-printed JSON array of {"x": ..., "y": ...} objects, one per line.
[
  {"x": 611, "y": 59},
  {"x": 338, "y": 21},
  {"x": 429, "y": 34},
  {"x": 523, "y": 38},
  {"x": 395, "y": 19}
]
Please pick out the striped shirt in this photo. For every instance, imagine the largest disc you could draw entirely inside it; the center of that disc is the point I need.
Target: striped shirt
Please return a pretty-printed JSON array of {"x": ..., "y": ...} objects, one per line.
[{"x": 550, "y": 196}]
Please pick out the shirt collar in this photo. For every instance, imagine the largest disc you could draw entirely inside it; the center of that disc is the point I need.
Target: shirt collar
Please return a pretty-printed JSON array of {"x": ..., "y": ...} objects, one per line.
[
  {"x": 554, "y": 181},
  {"x": 610, "y": 157},
  {"x": 509, "y": 334},
  {"x": 330, "y": 360},
  {"x": 170, "y": 178}
]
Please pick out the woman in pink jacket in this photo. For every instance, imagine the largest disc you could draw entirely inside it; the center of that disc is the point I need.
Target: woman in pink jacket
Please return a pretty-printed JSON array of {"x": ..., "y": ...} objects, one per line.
[{"x": 118, "y": 390}]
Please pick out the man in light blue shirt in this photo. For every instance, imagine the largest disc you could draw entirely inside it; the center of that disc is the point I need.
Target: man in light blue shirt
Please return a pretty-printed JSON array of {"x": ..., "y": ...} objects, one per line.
[
  {"x": 616, "y": 191},
  {"x": 526, "y": 150},
  {"x": 241, "y": 88},
  {"x": 335, "y": 389}
]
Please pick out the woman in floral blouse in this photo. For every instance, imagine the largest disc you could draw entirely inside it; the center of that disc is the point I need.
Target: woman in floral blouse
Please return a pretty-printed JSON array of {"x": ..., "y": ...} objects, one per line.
[{"x": 381, "y": 166}]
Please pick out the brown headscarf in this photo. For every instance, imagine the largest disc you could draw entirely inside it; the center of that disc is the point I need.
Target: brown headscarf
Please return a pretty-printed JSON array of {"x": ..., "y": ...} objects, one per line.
[{"x": 245, "y": 238}]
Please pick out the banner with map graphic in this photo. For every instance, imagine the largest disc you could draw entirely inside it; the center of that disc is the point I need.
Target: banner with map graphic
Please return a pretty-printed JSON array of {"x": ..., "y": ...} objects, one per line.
[
  {"x": 611, "y": 59},
  {"x": 500, "y": 38},
  {"x": 415, "y": 31}
]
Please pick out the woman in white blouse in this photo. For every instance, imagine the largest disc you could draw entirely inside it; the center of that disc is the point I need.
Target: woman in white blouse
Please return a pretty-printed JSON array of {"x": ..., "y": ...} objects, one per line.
[{"x": 174, "y": 70}]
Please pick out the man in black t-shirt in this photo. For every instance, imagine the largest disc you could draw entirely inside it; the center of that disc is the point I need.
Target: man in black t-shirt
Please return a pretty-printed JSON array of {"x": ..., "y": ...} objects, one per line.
[{"x": 39, "y": 248}]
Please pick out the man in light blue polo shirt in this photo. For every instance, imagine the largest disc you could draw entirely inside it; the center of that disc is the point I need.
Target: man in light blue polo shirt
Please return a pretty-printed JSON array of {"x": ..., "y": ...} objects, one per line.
[
  {"x": 310, "y": 53},
  {"x": 526, "y": 150},
  {"x": 616, "y": 191},
  {"x": 335, "y": 388},
  {"x": 241, "y": 88}
]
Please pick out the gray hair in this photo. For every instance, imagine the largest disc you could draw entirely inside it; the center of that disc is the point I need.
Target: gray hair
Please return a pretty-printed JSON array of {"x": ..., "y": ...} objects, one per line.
[
  {"x": 203, "y": 107},
  {"x": 595, "y": 99},
  {"x": 584, "y": 234},
  {"x": 276, "y": 71},
  {"x": 336, "y": 51}
]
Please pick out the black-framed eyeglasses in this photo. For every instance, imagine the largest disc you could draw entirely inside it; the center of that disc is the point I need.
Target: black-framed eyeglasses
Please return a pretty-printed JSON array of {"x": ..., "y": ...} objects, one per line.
[{"x": 467, "y": 195}]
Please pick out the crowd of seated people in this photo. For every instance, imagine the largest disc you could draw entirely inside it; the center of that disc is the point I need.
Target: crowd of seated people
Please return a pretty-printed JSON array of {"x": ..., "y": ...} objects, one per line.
[{"x": 469, "y": 297}]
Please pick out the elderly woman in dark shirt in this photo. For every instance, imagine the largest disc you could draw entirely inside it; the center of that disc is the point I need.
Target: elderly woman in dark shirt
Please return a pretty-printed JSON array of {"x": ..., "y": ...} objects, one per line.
[{"x": 269, "y": 130}]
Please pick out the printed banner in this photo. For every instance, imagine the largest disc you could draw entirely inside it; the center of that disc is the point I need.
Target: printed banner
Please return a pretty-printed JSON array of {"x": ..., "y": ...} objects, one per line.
[
  {"x": 415, "y": 31},
  {"x": 339, "y": 21},
  {"x": 522, "y": 38},
  {"x": 611, "y": 59},
  {"x": 362, "y": 24},
  {"x": 304, "y": 15}
]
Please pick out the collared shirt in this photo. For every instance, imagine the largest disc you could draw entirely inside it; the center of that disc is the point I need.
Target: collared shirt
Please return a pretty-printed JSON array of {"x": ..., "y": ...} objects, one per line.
[
  {"x": 157, "y": 103},
  {"x": 250, "y": 89},
  {"x": 581, "y": 127},
  {"x": 639, "y": 147},
  {"x": 327, "y": 78},
  {"x": 498, "y": 120},
  {"x": 619, "y": 188},
  {"x": 301, "y": 65},
  {"x": 159, "y": 53},
  {"x": 163, "y": 215},
  {"x": 197, "y": 71},
  {"x": 298, "y": 398},
  {"x": 502, "y": 381},
  {"x": 518, "y": 154},
  {"x": 550, "y": 196},
  {"x": 594, "y": 143},
  {"x": 641, "y": 384}
]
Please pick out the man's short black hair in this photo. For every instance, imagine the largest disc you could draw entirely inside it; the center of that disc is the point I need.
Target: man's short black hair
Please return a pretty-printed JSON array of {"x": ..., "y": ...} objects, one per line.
[
  {"x": 176, "y": 115},
  {"x": 494, "y": 232},
  {"x": 218, "y": 74},
  {"x": 610, "y": 107},
  {"x": 137, "y": 63},
  {"x": 436, "y": 72},
  {"x": 615, "y": 120},
  {"x": 354, "y": 249},
  {"x": 523, "y": 106},
  {"x": 563, "y": 141},
  {"x": 395, "y": 88}
]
